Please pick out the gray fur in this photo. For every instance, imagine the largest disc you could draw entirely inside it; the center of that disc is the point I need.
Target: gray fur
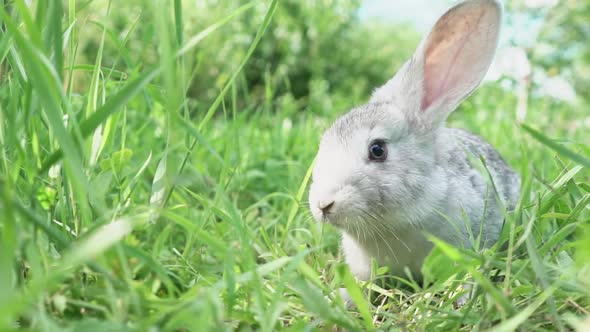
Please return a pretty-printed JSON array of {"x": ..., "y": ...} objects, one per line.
[{"x": 506, "y": 180}]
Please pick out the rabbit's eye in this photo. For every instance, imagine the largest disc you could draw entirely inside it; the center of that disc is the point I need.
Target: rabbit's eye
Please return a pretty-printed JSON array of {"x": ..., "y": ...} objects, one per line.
[{"x": 378, "y": 151}]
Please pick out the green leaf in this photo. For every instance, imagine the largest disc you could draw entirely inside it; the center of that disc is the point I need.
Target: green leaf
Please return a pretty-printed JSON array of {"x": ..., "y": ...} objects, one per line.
[{"x": 117, "y": 160}]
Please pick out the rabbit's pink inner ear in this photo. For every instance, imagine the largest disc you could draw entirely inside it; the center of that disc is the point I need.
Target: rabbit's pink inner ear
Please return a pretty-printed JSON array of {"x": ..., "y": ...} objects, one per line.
[{"x": 458, "y": 52}]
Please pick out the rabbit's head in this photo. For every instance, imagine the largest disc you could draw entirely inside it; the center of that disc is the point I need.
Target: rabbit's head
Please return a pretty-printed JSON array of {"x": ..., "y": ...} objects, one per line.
[{"x": 380, "y": 160}]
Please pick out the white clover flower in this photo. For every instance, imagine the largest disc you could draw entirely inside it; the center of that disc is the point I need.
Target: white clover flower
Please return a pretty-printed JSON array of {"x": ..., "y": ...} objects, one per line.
[
  {"x": 558, "y": 88},
  {"x": 287, "y": 125},
  {"x": 512, "y": 62},
  {"x": 55, "y": 171}
]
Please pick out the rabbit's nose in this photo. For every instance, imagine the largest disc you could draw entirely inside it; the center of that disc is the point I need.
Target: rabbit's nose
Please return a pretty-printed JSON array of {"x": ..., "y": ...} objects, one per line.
[{"x": 326, "y": 207}]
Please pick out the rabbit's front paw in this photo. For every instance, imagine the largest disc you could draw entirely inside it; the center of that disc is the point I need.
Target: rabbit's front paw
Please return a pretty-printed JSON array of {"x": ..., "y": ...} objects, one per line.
[
  {"x": 348, "y": 302},
  {"x": 465, "y": 297}
]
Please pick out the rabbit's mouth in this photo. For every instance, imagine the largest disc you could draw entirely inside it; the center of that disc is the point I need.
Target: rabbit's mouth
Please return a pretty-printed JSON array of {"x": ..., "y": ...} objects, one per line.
[
  {"x": 338, "y": 207},
  {"x": 326, "y": 212},
  {"x": 338, "y": 214}
]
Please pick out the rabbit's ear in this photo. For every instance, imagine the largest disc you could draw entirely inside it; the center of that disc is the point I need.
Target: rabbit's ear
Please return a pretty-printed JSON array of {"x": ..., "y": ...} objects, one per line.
[
  {"x": 458, "y": 52},
  {"x": 449, "y": 63}
]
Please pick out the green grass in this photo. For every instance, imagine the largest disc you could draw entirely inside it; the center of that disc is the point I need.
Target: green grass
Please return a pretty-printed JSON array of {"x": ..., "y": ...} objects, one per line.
[{"x": 127, "y": 206}]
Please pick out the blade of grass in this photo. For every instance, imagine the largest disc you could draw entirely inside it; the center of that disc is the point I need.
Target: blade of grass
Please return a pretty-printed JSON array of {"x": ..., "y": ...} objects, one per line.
[
  {"x": 557, "y": 147},
  {"x": 178, "y": 20},
  {"x": 134, "y": 87},
  {"x": 298, "y": 199},
  {"x": 153, "y": 264},
  {"x": 357, "y": 296},
  {"x": 213, "y": 108},
  {"x": 517, "y": 320},
  {"x": 315, "y": 302},
  {"x": 79, "y": 253},
  {"x": 47, "y": 85},
  {"x": 541, "y": 271},
  {"x": 457, "y": 256},
  {"x": 29, "y": 23},
  {"x": 53, "y": 36}
]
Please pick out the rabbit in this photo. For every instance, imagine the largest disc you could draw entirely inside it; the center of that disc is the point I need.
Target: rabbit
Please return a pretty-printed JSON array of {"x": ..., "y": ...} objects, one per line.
[{"x": 389, "y": 172}]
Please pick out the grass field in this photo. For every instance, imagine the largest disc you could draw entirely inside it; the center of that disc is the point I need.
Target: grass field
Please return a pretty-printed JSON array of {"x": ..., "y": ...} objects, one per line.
[{"x": 127, "y": 205}]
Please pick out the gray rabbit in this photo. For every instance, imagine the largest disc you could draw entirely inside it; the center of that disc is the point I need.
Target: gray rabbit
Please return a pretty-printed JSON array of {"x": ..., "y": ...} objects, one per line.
[{"x": 390, "y": 171}]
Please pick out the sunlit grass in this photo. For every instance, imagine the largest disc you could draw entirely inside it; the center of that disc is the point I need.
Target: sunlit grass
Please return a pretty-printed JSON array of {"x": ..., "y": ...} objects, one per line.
[{"x": 126, "y": 207}]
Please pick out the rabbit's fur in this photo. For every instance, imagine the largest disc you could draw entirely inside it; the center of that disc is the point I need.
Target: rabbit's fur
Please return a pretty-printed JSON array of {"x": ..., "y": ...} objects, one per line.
[{"x": 432, "y": 181}]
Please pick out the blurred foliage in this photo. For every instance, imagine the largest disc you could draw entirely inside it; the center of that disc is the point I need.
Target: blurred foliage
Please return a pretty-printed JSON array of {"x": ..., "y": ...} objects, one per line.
[
  {"x": 564, "y": 43},
  {"x": 315, "y": 51},
  {"x": 561, "y": 45}
]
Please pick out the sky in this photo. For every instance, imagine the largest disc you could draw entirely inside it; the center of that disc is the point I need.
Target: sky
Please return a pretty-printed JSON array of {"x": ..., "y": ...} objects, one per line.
[{"x": 420, "y": 13}]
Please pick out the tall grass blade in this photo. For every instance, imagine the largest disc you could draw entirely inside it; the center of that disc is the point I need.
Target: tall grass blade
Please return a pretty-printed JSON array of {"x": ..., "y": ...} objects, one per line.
[{"x": 556, "y": 146}]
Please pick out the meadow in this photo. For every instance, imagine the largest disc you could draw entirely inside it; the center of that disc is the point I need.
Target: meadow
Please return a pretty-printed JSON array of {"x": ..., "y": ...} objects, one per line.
[{"x": 155, "y": 158}]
